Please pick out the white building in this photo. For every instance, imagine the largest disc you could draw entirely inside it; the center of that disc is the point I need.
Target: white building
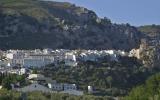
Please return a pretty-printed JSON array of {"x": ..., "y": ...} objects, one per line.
[
  {"x": 9, "y": 55},
  {"x": 34, "y": 87},
  {"x": 70, "y": 87},
  {"x": 56, "y": 86},
  {"x": 47, "y": 51},
  {"x": 70, "y": 59},
  {"x": 20, "y": 71},
  {"x": 33, "y": 76},
  {"x": 61, "y": 87},
  {"x": 90, "y": 89},
  {"x": 111, "y": 52},
  {"x": 30, "y": 58}
]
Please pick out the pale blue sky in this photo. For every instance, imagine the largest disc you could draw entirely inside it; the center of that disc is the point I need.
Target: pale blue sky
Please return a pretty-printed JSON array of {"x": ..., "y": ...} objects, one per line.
[{"x": 135, "y": 12}]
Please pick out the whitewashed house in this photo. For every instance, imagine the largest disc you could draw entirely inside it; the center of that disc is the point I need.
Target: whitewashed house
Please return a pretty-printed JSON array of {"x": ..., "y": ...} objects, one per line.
[
  {"x": 111, "y": 52},
  {"x": 38, "y": 78},
  {"x": 33, "y": 76},
  {"x": 65, "y": 88},
  {"x": 30, "y": 58},
  {"x": 61, "y": 86},
  {"x": 56, "y": 86},
  {"x": 90, "y": 89},
  {"x": 88, "y": 56},
  {"x": 18, "y": 71},
  {"x": 70, "y": 59},
  {"x": 34, "y": 87},
  {"x": 69, "y": 86},
  {"x": 9, "y": 55}
]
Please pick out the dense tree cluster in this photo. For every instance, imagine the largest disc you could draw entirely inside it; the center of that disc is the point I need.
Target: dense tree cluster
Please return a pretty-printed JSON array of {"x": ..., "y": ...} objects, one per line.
[
  {"x": 7, "y": 79},
  {"x": 13, "y": 95},
  {"x": 148, "y": 91}
]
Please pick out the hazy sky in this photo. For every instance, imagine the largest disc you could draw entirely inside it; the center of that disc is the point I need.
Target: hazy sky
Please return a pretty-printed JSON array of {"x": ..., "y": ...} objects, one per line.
[{"x": 135, "y": 12}]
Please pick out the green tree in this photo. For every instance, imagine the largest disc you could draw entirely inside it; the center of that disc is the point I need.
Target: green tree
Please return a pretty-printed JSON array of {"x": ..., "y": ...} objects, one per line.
[
  {"x": 109, "y": 80},
  {"x": 6, "y": 83}
]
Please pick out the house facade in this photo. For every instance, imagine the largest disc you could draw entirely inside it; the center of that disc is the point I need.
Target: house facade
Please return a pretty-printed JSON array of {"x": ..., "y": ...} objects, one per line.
[{"x": 34, "y": 87}]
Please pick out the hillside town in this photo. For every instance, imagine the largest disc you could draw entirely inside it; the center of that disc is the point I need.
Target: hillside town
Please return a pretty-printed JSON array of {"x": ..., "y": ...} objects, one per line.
[
  {"x": 40, "y": 58},
  {"x": 22, "y": 62}
]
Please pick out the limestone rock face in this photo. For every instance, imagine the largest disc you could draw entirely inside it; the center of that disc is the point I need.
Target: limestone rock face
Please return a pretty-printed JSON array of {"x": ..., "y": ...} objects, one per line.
[{"x": 30, "y": 24}]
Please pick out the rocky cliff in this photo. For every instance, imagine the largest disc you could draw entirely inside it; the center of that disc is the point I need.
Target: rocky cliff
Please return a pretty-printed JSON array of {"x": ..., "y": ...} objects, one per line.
[{"x": 30, "y": 24}]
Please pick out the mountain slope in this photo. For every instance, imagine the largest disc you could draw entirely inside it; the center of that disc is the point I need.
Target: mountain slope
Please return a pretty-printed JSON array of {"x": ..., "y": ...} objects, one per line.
[
  {"x": 151, "y": 45},
  {"x": 30, "y": 24},
  {"x": 150, "y": 30},
  {"x": 147, "y": 91}
]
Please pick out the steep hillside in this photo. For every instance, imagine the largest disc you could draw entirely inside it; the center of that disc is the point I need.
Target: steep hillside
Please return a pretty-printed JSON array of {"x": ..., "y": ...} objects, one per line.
[
  {"x": 151, "y": 45},
  {"x": 150, "y": 30},
  {"x": 147, "y": 91},
  {"x": 29, "y": 24}
]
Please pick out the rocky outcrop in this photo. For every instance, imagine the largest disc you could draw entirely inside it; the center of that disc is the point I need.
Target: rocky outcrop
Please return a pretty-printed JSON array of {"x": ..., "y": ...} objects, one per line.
[{"x": 30, "y": 24}]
